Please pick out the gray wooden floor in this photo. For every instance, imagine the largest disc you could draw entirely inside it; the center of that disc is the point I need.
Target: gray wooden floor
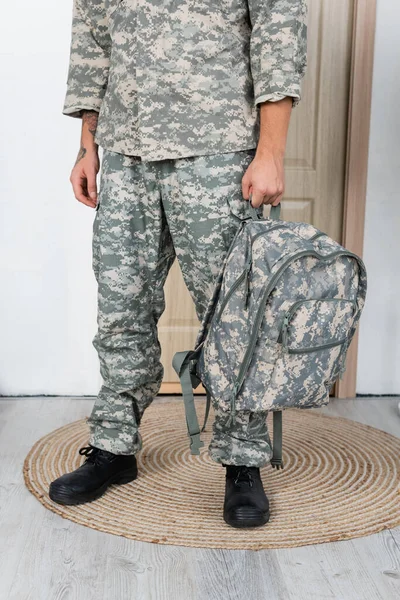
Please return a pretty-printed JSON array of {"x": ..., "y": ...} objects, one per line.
[{"x": 45, "y": 557}]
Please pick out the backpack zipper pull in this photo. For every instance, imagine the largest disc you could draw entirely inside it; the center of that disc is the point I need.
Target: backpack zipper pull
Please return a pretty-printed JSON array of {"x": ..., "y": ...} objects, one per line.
[
  {"x": 285, "y": 332},
  {"x": 247, "y": 285}
]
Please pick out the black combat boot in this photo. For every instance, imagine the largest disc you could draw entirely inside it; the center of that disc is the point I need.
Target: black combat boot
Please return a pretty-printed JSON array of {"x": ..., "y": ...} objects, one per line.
[
  {"x": 246, "y": 504},
  {"x": 89, "y": 481}
]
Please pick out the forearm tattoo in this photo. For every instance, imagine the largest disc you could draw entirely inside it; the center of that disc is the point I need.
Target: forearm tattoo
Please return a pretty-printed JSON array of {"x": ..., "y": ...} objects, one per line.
[
  {"x": 81, "y": 154},
  {"x": 90, "y": 117}
]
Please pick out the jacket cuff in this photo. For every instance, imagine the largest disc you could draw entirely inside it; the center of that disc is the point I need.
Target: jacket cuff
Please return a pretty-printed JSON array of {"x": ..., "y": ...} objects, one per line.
[
  {"x": 278, "y": 86},
  {"x": 74, "y": 103}
]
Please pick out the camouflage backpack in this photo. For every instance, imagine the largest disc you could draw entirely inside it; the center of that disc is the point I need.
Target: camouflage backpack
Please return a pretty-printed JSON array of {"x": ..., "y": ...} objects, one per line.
[{"x": 284, "y": 311}]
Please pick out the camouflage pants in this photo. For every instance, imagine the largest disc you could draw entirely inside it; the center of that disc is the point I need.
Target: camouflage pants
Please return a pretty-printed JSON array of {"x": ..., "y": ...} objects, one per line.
[{"x": 148, "y": 214}]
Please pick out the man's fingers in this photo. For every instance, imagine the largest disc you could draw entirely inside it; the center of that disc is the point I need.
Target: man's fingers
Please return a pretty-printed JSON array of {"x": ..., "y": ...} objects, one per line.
[
  {"x": 92, "y": 186},
  {"x": 246, "y": 185},
  {"x": 257, "y": 198},
  {"x": 277, "y": 196},
  {"x": 274, "y": 200},
  {"x": 87, "y": 202},
  {"x": 266, "y": 196},
  {"x": 79, "y": 186},
  {"x": 277, "y": 200}
]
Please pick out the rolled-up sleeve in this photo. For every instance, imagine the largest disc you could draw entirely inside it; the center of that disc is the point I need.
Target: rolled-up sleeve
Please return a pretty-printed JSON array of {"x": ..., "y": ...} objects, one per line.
[
  {"x": 278, "y": 48},
  {"x": 89, "y": 58}
]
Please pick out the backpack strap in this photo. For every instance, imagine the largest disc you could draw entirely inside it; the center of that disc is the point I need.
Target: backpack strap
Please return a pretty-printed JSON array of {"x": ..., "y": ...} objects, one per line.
[
  {"x": 276, "y": 460},
  {"x": 181, "y": 364},
  {"x": 274, "y": 212}
]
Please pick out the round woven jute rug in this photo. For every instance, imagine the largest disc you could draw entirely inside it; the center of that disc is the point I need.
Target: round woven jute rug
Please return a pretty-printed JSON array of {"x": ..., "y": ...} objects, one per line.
[{"x": 340, "y": 480}]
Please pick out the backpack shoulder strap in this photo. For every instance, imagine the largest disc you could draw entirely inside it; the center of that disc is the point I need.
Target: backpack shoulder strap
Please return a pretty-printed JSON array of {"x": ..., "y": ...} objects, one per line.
[{"x": 181, "y": 364}]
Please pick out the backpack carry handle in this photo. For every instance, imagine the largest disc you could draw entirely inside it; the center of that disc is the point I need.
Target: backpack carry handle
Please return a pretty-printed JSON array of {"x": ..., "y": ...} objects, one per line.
[{"x": 274, "y": 212}]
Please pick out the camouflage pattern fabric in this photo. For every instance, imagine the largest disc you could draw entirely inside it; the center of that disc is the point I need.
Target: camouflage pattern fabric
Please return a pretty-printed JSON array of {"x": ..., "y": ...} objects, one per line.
[
  {"x": 184, "y": 77},
  {"x": 148, "y": 214},
  {"x": 287, "y": 308}
]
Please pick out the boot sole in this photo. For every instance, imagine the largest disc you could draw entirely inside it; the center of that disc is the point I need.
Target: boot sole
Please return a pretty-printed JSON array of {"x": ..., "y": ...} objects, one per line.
[
  {"x": 61, "y": 494},
  {"x": 246, "y": 516}
]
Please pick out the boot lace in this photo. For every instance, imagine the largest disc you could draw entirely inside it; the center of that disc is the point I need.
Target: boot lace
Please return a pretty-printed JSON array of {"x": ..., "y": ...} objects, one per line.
[
  {"x": 92, "y": 454},
  {"x": 244, "y": 476}
]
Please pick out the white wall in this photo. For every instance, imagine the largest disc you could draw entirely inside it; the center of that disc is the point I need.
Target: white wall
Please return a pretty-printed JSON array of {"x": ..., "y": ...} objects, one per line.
[
  {"x": 47, "y": 289},
  {"x": 379, "y": 339}
]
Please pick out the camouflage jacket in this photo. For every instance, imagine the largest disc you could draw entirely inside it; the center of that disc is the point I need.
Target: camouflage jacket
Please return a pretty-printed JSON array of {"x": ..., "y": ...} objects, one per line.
[{"x": 183, "y": 77}]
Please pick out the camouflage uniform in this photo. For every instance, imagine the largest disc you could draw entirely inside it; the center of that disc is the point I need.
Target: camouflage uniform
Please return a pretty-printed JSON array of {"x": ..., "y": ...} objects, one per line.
[
  {"x": 183, "y": 77},
  {"x": 177, "y": 85}
]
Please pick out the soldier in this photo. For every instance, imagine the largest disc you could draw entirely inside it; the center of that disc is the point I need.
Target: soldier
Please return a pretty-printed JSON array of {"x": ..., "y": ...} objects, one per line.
[{"x": 190, "y": 101}]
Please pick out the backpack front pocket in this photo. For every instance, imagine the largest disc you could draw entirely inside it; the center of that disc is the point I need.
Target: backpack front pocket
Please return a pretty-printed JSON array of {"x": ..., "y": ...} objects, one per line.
[
  {"x": 309, "y": 346},
  {"x": 313, "y": 325}
]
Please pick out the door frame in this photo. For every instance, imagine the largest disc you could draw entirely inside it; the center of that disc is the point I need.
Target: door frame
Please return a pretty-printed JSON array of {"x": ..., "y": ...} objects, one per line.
[{"x": 355, "y": 187}]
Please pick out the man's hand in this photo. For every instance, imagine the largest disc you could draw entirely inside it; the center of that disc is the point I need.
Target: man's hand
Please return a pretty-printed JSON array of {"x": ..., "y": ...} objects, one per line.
[
  {"x": 265, "y": 178},
  {"x": 84, "y": 173}
]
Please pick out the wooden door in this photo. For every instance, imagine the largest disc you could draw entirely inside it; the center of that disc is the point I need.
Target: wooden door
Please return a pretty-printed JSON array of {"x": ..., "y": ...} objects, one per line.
[{"x": 315, "y": 162}]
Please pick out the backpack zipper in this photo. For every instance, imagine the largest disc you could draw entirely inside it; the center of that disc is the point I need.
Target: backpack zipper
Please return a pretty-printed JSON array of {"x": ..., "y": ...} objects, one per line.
[
  {"x": 246, "y": 272},
  {"x": 247, "y": 286},
  {"x": 238, "y": 282},
  {"x": 316, "y": 235},
  {"x": 288, "y": 316},
  {"x": 260, "y": 313},
  {"x": 321, "y": 347}
]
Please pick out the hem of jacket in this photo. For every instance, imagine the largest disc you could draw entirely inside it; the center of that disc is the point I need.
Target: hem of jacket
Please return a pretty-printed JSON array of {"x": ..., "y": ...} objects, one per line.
[{"x": 206, "y": 150}]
